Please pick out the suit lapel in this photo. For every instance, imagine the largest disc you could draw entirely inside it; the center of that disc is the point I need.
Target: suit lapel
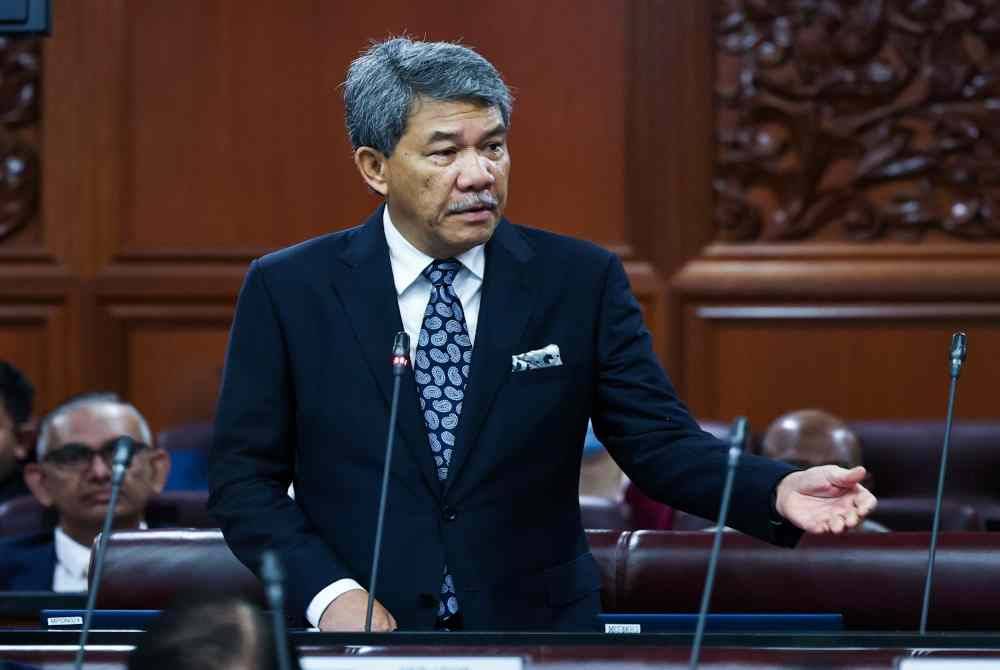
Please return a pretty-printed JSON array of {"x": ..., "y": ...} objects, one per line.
[
  {"x": 363, "y": 280},
  {"x": 506, "y": 305}
]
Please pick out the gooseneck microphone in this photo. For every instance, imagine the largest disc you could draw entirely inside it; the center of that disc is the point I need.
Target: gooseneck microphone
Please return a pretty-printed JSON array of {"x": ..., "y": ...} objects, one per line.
[
  {"x": 959, "y": 350},
  {"x": 400, "y": 361},
  {"x": 737, "y": 439},
  {"x": 122, "y": 458},
  {"x": 274, "y": 588}
]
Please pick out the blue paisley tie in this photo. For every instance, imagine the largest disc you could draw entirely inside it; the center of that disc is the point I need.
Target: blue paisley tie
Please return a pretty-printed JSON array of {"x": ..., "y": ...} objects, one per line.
[{"x": 441, "y": 370}]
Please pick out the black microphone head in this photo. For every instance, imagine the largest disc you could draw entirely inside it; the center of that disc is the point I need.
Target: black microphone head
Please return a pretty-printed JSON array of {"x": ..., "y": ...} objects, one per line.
[
  {"x": 270, "y": 567},
  {"x": 400, "y": 352},
  {"x": 959, "y": 349},
  {"x": 124, "y": 450},
  {"x": 959, "y": 346},
  {"x": 738, "y": 433}
]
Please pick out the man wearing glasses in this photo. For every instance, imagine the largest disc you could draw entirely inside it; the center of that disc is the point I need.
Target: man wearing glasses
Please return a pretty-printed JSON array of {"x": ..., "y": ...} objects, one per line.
[{"x": 72, "y": 477}]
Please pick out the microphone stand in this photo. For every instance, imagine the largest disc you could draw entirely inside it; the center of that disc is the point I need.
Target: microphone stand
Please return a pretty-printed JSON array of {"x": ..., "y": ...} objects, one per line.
[
  {"x": 400, "y": 361},
  {"x": 737, "y": 438},
  {"x": 274, "y": 577},
  {"x": 959, "y": 350},
  {"x": 124, "y": 449}
]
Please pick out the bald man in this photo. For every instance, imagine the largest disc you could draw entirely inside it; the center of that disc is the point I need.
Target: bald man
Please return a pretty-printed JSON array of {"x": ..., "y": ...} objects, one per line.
[
  {"x": 811, "y": 437},
  {"x": 72, "y": 477}
]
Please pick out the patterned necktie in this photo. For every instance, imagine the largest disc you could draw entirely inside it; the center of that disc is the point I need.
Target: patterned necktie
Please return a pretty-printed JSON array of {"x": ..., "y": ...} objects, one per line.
[{"x": 441, "y": 370}]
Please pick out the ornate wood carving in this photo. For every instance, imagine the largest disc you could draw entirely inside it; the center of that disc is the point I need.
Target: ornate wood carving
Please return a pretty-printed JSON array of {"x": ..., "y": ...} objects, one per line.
[
  {"x": 857, "y": 119},
  {"x": 20, "y": 74}
]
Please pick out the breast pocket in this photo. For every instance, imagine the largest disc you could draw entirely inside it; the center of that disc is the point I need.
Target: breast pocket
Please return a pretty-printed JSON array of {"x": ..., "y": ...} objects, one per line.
[{"x": 538, "y": 375}]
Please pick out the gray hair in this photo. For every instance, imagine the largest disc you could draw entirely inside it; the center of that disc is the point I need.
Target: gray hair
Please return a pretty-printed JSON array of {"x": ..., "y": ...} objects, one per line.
[
  {"x": 45, "y": 435},
  {"x": 383, "y": 82}
]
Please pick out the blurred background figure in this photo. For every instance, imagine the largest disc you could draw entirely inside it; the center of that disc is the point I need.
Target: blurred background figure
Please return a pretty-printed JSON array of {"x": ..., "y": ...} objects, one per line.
[
  {"x": 16, "y": 398},
  {"x": 72, "y": 477},
  {"x": 600, "y": 476},
  {"x": 811, "y": 437},
  {"x": 218, "y": 634}
]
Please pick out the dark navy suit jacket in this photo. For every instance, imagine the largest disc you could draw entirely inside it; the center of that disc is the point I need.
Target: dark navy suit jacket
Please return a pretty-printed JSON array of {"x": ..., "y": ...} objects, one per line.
[
  {"x": 305, "y": 398},
  {"x": 27, "y": 562}
]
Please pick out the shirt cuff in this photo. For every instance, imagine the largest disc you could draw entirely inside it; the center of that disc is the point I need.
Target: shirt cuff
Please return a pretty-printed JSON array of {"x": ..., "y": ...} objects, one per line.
[{"x": 322, "y": 600}]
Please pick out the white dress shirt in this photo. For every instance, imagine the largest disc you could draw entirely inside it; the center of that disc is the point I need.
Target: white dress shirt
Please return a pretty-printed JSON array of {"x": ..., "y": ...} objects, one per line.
[
  {"x": 72, "y": 562},
  {"x": 413, "y": 291}
]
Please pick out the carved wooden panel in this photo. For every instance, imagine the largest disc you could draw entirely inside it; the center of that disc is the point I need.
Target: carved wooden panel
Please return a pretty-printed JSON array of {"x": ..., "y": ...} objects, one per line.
[
  {"x": 857, "y": 120},
  {"x": 20, "y": 112}
]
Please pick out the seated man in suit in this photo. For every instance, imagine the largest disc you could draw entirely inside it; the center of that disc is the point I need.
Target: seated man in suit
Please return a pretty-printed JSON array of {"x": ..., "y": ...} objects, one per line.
[
  {"x": 72, "y": 476},
  {"x": 810, "y": 437},
  {"x": 16, "y": 397}
]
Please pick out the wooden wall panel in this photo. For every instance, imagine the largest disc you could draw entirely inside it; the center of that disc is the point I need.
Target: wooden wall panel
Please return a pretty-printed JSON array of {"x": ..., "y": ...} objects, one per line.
[
  {"x": 34, "y": 338},
  {"x": 858, "y": 361},
  {"x": 169, "y": 358},
  {"x": 230, "y": 123}
]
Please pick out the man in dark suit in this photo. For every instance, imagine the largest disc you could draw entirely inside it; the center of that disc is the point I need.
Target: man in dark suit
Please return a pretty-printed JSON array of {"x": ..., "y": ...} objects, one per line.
[
  {"x": 72, "y": 478},
  {"x": 518, "y": 336}
]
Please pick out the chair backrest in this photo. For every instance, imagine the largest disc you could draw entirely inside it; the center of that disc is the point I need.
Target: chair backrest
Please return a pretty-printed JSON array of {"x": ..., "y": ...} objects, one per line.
[
  {"x": 904, "y": 457},
  {"x": 917, "y": 514},
  {"x": 172, "y": 509},
  {"x": 875, "y": 580},
  {"x": 149, "y": 569},
  {"x": 188, "y": 445}
]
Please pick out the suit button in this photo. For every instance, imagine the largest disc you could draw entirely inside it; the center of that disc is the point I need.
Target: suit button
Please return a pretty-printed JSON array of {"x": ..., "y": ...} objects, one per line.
[{"x": 449, "y": 514}]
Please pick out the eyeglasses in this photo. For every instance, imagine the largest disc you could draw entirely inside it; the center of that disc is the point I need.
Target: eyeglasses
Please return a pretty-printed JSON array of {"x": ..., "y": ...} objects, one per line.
[{"x": 76, "y": 456}]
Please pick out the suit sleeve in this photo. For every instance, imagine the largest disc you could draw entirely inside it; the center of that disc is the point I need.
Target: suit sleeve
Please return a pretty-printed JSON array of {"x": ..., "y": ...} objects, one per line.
[
  {"x": 252, "y": 460},
  {"x": 652, "y": 436}
]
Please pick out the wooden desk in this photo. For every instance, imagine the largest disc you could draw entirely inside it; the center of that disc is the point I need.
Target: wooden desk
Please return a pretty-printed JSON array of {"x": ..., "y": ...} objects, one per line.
[{"x": 109, "y": 650}]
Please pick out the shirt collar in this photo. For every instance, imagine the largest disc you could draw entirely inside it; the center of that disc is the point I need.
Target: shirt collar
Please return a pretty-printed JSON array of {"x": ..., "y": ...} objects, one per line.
[
  {"x": 73, "y": 556},
  {"x": 408, "y": 261}
]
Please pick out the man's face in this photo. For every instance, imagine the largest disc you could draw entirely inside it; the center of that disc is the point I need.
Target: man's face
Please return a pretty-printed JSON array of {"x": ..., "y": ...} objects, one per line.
[
  {"x": 80, "y": 490},
  {"x": 446, "y": 181}
]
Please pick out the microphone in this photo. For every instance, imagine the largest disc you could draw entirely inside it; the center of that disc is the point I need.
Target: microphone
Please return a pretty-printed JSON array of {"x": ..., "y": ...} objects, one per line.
[
  {"x": 400, "y": 361},
  {"x": 737, "y": 440},
  {"x": 959, "y": 350},
  {"x": 120, "y": 461},
  {"x": 274, "y": 588}
]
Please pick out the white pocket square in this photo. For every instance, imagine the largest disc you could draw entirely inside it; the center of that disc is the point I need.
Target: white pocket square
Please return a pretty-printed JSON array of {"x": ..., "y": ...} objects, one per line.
[{"x": 546, "y": 357}]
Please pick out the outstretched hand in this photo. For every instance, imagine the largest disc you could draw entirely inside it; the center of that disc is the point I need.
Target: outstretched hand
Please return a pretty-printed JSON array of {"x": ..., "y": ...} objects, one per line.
[{"x": 825, "y": 499}]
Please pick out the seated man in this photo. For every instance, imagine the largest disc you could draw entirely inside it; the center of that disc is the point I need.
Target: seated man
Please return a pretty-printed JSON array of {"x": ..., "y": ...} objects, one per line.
[
  {"x": 72, "y": 476},
  {"x": 811, "y": 437},
  {"x": 16, "y": 396}
]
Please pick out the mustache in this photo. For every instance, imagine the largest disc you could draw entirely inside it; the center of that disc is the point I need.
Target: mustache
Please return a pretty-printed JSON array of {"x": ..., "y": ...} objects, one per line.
[{"x": 480, "y": 200}]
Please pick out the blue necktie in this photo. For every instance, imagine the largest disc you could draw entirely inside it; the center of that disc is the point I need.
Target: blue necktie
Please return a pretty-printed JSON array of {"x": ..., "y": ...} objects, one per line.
[{"x": 441, "y": 370}]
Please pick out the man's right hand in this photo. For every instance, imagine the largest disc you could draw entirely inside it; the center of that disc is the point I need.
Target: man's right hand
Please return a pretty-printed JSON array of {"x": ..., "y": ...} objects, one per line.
[{"x": 347, "y": 612}]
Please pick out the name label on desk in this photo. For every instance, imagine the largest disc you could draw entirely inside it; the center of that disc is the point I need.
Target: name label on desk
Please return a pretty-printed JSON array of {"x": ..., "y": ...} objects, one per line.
[
  {"x": 65, "y": 620},
  {"x": 623, "y": 628},
  {"x": 411, "y": 663}
]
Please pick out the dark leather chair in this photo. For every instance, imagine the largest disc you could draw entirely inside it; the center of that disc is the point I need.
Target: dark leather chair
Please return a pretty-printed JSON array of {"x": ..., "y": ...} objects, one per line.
[
  {"x": 149, "y": 569},
  {"x": 188, "y": 445},
  {"x": 875, "y": 580},
  {"x": 171, "y": 509},
  {"x": 917, "y": 514}
]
